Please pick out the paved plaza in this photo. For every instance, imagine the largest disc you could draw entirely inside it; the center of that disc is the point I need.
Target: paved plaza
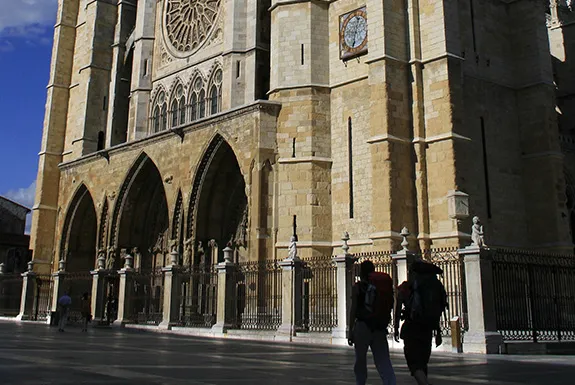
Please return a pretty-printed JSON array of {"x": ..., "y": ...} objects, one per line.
[{"x": 35, "y": 354}]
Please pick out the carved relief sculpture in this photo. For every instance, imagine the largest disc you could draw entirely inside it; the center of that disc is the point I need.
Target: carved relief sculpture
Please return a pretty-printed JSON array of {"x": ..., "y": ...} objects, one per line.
[{"x": 111, "y": 260}]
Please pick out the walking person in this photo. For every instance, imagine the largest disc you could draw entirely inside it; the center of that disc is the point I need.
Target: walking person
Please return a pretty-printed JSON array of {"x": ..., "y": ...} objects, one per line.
[
  {"x": 370, "y": 315},
  {"x": 64, "y": 304},
  {"x": 421, "y": 300},
  {"x": 86, "y": 310}
]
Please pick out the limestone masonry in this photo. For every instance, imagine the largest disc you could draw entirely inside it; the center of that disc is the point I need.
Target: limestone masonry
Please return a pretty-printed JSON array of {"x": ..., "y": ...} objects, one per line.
[{"x": 187, "y": 126}]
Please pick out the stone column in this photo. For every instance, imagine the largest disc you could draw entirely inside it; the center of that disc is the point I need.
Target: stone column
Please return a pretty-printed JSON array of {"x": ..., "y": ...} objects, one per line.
[
  {"x": 226, "y": 306},
  {"x": 124, "y": 297},
  {"x": 171, "y": 296},
  {"x": 28, "y": 296},
  {"x": 291, "y": 297},
  {"x": 99, "y": 295},
  {"x": 482, "y": 336},
  {"x": 344, "y": 281}
]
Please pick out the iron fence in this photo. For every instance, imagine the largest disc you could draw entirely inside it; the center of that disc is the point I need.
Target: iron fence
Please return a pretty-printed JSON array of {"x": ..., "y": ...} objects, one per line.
[
  {"x": 76, "y": 284},
  {"x": 147, "y": 297},
  {"x": 534, "y": 295},
  {"x": 198, "y": 297},
  {"x": 43, "y": 291},
  {"x": 453, "y": 279},
  {"x": 258, "y": 299},
  {"x": 318, "y": 278},
  {"x": 109, "y": 300},
  {"x": 383, "y": 263},
  {"x": 10, "y": 294}
]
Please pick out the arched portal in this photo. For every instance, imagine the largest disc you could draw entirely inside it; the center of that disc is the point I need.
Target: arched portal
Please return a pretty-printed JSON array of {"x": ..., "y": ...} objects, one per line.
[
  {"x": 78, "y": 242},
  {"x": 218, "y": 206},
  {"x": 143, "y": 216}
]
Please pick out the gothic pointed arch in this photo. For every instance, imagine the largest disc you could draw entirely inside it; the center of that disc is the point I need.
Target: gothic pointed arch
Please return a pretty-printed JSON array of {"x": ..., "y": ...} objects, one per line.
[
  {"x": 78, "y": 239},
  {"x": 140, "y": 218},
  {"x": 218, "y": 206},
  {"x": 177, "y": 219}
]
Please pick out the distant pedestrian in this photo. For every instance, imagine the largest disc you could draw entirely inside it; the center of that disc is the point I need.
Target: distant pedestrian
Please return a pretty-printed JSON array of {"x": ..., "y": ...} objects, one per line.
[
  {"x": 421, "y": 300},
  {"x": 370, "y": 315},
  {"x": 86, "y": 310},
  {"x": 64, "y": 304}
]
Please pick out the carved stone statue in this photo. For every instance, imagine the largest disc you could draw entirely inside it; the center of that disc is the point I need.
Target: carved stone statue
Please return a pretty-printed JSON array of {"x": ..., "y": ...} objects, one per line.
[
  {"x": 159, "y": 246},
  {"x": 477, "y": 233},
  {"x": 173, "y": 245},
  {"x": 214, "y": 252},
  {"x": 111, "y": 260},
  {"x": 292, "y": 251},
  {"x": 240, "y": 236},
  {"x": 137, "y": 258},
  {"x": 187, "y": 252},
  {"x": 201, "y": 253}
]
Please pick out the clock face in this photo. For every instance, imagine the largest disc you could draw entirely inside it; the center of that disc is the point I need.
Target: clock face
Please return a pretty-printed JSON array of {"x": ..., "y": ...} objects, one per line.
[{"x": 353, "y": 33}]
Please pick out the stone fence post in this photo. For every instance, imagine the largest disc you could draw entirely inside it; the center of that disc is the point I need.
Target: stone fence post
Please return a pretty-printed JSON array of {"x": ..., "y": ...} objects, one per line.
[
  {"x": 59, "y": 288},
  {"x": 98, "y": 305},
  {"x": 172, "y": 289},
  {"x": 402, "y": 260},
  {"x": 28, "y": 295},
  {"x": 344, "y": 281},
  {"x": 125, "y": 297},
  {"x": 482, "y": 336},
  {"x": 291, "y": 294},
  {"x": 226, "y": 306}
]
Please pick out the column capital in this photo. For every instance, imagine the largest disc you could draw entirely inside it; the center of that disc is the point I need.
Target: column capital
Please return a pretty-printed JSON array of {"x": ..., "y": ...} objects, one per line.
[
  {"x": 404, "y": 255},
  {"x": 290, "y": 263},
  {"x": 471, "y": 253},
  {"x": 224, "y": 267},
  {"x": 28, "y": 274},
  {"x": 126, "y": 271}
]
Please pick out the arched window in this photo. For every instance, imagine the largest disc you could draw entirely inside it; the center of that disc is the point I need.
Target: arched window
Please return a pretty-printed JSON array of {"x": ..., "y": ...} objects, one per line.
[
  {"x": 160, "y": 113},
  {"x": 202, "y": 104},
  {"x": 216, "y": 93},
  {"x": 177, "y": 109},
  {"x": 198, "y": 100}
]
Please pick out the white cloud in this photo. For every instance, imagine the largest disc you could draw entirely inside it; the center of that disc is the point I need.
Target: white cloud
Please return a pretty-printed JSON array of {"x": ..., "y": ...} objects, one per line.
[
  {"x": 24, "y": 196},
  {"x": 26, "y": 17}
]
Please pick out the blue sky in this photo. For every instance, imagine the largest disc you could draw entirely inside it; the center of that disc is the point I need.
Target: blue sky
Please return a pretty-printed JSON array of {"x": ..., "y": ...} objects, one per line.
[{"x": 26, "y": 30}]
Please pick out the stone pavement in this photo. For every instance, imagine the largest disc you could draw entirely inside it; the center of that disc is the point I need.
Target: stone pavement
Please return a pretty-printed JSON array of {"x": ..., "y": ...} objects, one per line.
[{"x": 35, "y": 354}]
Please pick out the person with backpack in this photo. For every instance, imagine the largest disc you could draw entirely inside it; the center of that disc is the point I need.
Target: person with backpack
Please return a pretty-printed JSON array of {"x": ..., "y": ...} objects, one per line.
[
  {"x": 370, "y": 315},
  {"x": 421, "y": 300}
]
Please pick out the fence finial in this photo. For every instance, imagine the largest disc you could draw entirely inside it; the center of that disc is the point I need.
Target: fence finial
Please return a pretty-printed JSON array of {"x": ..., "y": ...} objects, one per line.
[
  {"x": 477, "y": 239},
  {"x": 62, "y": 265},
  {"x": 228, "y": 255},
  {"x": 101, "y": 259},
  {"x": 345, "y": 246},
  {"x": 404, "y": 233},
  {"x": 30, "y": 266}
]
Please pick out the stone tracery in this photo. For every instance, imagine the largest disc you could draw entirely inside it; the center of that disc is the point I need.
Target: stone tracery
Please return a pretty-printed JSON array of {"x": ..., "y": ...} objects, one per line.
[{"x": 189, "y": 22}]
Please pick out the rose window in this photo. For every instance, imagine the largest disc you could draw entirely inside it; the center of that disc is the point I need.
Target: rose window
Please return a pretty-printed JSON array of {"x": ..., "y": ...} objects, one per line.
[{"x": 189, "y": 22}]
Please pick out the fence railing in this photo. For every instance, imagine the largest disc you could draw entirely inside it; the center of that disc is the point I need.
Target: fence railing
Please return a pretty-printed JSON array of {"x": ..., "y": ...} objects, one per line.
[
  {"x": 76, "y": 284},
  {"x": 453, "y": 280},
  {"x": 319, "y": 295},
  {"x": 10, "y": 294},
  {"x": 197, "y": 296},
  {"x": 147, "y": 297},
  {"x": 258, "y": 295},
  {"x": 534, "y": 296},
  {"x": 43, "y": 291}
]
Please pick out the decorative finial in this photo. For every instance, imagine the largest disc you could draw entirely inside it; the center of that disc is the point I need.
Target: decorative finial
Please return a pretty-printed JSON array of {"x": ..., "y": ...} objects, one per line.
[
  {"x": 404, "y": 233},
  {"x": 174, "y": 257},
  {"x": 345, "y": 246},
  {"x": 30, "y": 266},
  {"x": 62, "y": 265},
  {"x": 228, "y": 255},
  {"x": 101, "y": 260}
]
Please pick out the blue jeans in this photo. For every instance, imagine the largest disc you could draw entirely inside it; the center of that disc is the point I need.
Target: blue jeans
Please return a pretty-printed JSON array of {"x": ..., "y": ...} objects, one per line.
[{"x": 364, "y": 338}]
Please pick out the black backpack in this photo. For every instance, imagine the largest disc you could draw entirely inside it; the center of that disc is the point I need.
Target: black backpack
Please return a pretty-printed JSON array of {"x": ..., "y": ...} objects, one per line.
[{"x": 428, "y": 300}]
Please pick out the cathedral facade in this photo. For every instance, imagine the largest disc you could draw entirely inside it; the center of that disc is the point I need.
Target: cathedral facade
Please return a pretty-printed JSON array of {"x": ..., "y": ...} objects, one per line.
[{"x": 188, "y": 125}]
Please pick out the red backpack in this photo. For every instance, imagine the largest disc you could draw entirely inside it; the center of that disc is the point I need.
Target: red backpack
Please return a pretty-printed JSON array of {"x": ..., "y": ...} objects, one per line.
[{"x": 378, "y": 301}]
